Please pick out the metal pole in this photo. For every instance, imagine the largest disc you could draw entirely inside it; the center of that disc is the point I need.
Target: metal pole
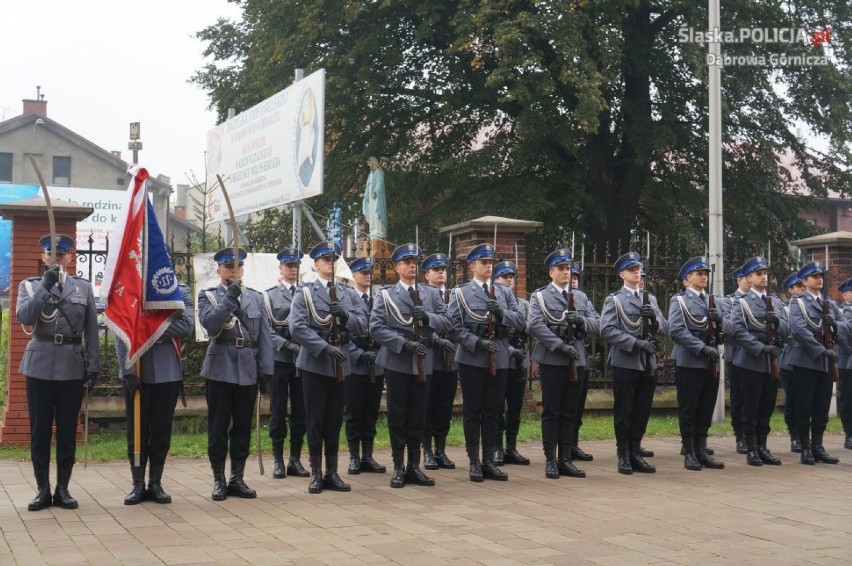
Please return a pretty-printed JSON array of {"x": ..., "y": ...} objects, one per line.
[{"x": 297, "y": 206}]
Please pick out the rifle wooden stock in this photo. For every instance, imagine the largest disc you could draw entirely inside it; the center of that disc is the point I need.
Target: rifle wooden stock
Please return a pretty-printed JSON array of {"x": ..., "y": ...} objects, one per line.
[
  {"x": 827, "y": 341},
  {"x": 770, "y": 338},
  {"x": 370, "y": 366},
  {"x": 646, "y": 331},
  {"x": 334, "y": 335},
  {"x": 489, "y": 334},
  {"x": 711, "y": 338},
  {"x": 448, "y": 356},
  {"x": 421, "y": 360},
  {"x": 569, "y": 333}
]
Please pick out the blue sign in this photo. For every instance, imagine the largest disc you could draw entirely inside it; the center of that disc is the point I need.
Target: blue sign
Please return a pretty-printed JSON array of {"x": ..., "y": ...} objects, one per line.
[{"x": 10, "y": 193}]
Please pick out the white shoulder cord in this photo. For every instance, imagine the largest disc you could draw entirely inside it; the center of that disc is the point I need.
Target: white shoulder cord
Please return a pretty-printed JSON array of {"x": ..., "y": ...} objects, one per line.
[
  {"x": 546, "y": 313},
  {"x": 268, "y": 304},
  {"x": 748, "y": 316},
  {"x": 309, "y": 302},
  {"x": 625, "y": 320},
  {"x": 394, "y": 311},
  {"x": 811, "y": 323},
  {"x": 691, "y": 320},
  {"x": 460, "y": 298}
]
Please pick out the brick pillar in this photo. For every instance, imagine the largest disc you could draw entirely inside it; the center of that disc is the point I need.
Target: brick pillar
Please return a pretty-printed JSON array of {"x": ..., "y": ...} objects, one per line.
[
  {"x": 839, "y": 260},
  {"x": 29, "y": 223}
]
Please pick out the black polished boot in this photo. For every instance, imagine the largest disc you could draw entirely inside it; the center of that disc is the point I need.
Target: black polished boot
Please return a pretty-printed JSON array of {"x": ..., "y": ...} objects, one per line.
[
  {"x": 820, "y": 455},
  {"x": 704, "y": 457},
  {"x": 577, "y": 453},
  {"x": 398, "y": 477},
  {"x": 354, "y": 459},
  {"x": 847, "y": 444},
  {"x": 476, "y": 474},
  {"x": 637, "y": 463},
  {"x": 498, "y": 452},
  {"x": 490, "y": 470},
  {"x": 61, "y": 497},
  {"x": 564, "y": 464},
  {"x": 441, "y": 457},
  {"x": 43, "y": 498},
  {"x": 742, "y": 444},
  {"x": 690, "y": 461},
  {"x": 237, "y": 486},
  {"x": 765, "y": 455},
  {"x": 807, "y": 456},
  {"x": 294, "y": 465},
  {"x": 330, "y": 480},
  {"x": 645, "y": 453},
  {"x": 278, "y": 469},
  {"x": 367, "y": 462},
  {"x": 413, "y": 473},
  {"x": 137, "y": 494},
  {"x": 795, "y": 444},
  {"x": 752, "y": 457},
  {"x": 155, "y": 490},
  {"x": 551, "y": 470},
  {"x": 220, "y": 486},
  {"x": 316, "y": 475},
  {"x": 511, "y": 454},
  {"x": 624, "y": 466},
  {"x": 429, "y": 461}
]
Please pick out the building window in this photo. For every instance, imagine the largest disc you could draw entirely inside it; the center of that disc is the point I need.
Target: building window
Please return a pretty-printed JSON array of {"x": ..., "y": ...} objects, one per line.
[
  {"x": 5, "y": 167},
  {"x": 62, "y": 171}
]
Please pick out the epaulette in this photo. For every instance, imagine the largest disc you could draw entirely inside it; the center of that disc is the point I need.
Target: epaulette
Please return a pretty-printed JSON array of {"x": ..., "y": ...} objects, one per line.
[
  {"x": 36, "y": 278},
  {"x": 272, "y": 288},
  {"x": 79, "y": 278},
  {"x": 540, "y": 289},
  {"x": 387, "y": 287},
  {"x": 426, "y": 285},
  {"x": 209, "y": 289}
]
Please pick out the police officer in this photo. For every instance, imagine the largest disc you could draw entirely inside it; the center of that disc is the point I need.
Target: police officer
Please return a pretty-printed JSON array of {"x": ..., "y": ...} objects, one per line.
[
  {"x": 756, "y": 357},
  {"x": 442, "y": 385},
  {"x": 406, "y": 359},
  {"x": 632, "y": 359},
  {"x": 809, "y": 359},
  {"x": 577, "y": 453},
  {"x": 364, "y": 386},
  {"x": 731, "y": 348},
  {"x": 471, "y": 308},
  {"x": 509, "y": 417},
  {"x": 58, "y": 311},
  {"x": 844, "y": 364},
  {"x": 697, "y": 386},
  {"x": 793, "y": 287},
  {"x": 318, "y": 310},
  {"x": 159, "y": 384},
  {"x": 553, "y": 310},
  {"x": 238, "y": 357},
  {"x": 286, "y": 383}
]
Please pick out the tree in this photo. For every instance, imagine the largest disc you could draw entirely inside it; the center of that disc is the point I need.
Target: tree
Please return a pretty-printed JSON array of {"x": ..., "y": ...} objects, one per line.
[{"x": 589, "y": 116}]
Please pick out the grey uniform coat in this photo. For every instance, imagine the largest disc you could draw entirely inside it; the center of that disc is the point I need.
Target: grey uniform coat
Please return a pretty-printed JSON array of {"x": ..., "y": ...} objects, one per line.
[
  {"x": 620, "y": 334},
  {"x": 549, "y": 333},
  {"x": 806, "y": 331},
  {"x": 467, "y": 329},
  {"x": 726, "y": 305},
  {"x": 391, "y": 333},
  {"x": 752, "y": 339},
  {"x": 276, "y": 303},
  {"x": 524, "y": 307},
  {"x": 161, "y": 363},
  {"x": 225, "y": 361},
  {"x": 438, "y": 353},
  {"x": 686, "y": 331},
  {"x": 76, "y": 316},
  {"x": 306, "y": 330},
  {"x": 844, "y": 359},
  {"x": 355, "y": 350},
  {"x": 784, "y": 360}
]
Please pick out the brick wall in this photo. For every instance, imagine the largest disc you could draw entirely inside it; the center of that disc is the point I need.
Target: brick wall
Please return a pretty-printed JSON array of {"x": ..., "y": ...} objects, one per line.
[{"x": 464, "y": 242}]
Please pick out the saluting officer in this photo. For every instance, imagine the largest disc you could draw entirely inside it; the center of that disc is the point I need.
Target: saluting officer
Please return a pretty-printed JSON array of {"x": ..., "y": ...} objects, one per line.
[
  {"x": 312, "y": 321},
  {"x": 238, "y": 357},
  {"x": 697, "y": 388},
  {"x": 441, "y": 387},
  {"x": 392, "y": 326},
  {"x": 159, "y": 384},
  {"x": 286, "y": 383},
  {"x": 548, "y": 321},
  {"x": 509, "y": 418},
  {"x": 794, "y": 287},
  {"x": 809, "y": 359},
  {"x": 632, "y": 359},
  {"x": 58, "y": 311},
  {"x": 750, "y": 316},
  {"x": 365, "y": 384},
  {"x": 577, "y": 453},
  {"x": 844, "y": 365},
  {"x": 731, "y": 348},
  {"x": 470, "y": 307}
]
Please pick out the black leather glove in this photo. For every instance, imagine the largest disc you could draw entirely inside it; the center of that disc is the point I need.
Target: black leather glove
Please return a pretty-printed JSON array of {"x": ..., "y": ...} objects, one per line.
[
  {"x": 518, "y": 354},
  {"x": 367, "y": 357},
  {"x": 335, "y": 353},
  {"x": 646, "y": 346},
  {"x": 830, "y": 354},
  {"x": 568, "y": 350},
  {"x": 711, "y": 353},
  {"x": 648, "y": 312},
  {"x": 293, "y": 348},
  {"x": 50, "y": 277},
  {"x": 772, "y": 316},
  {"x": 234, "y": 291},
  {"x": 91, "y": 380},
  {"x": 419, "y": 312},
  {"x": 574, "y": 318},
  {"x": 494, "y": 308},
  {"x": 340, "y": 312},
  {"x": 714, "y": 315},
  {"x": 828, "y": 320},
  {"x": 773, "y": 351},
  {"x": 415, "y": 348},
  {"x": 131, "y": 383},
  {"x": 446, "y": 344},
  {"x": 263, "y": 380},
  {"x": 487, "y": 345}
]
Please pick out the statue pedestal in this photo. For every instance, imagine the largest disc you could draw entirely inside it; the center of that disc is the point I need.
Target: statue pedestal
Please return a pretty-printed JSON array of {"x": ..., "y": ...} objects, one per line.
[{"x": 377, "y": 248}]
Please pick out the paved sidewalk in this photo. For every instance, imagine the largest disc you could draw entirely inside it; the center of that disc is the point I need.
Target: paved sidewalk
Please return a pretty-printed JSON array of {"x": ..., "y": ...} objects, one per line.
[{"x": 792, "y": 514}]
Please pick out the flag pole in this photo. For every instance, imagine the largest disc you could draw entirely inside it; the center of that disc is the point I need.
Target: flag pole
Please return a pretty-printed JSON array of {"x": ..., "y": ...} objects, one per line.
[{"x": 137, "y": 419}]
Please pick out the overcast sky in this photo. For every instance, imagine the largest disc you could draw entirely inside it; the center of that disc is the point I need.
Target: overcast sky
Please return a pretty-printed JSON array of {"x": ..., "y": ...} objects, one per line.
[{"x": 105, "y": 63}]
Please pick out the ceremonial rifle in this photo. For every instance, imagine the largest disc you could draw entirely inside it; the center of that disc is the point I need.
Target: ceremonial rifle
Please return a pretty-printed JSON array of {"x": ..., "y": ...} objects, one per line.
[
  {"x": 827, "y": 341},
  {"x": 448, "y": 356},
  {"x": 711, "y": 338},
  {"x": 569, "y": 328},
  {"x": 491, "y": 328},
  {"x": 371, "y": 367},
  {"x": 334, "y": 335},
  {"x": 421, "y": 360},
  {"x": 646, "y": 326},
  {"x": 770, "y": 333}
]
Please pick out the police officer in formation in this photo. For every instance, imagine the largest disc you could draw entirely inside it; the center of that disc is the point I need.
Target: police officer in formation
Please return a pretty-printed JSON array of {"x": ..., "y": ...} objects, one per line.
[
  {"x": 844, "y": 365},
  {"x": 509, "y": 418},
  {"x": 159, "y": 382},
  {"x": 238, "y": 357},
  {"x": 407, "y": 359},
  {"x": 554, "y": 310},
  {"x": 471, "y": 308},
  {"x": 62, "y": 358},
  {"x": 442, "y": 385},
  {"x": 793, "y": 287},
  {"x": 757, "y": 358},
  {"x": 810, "y": 361},
  {"x": 364, "y": 386},
  {"x": 286, "y": 383},
  {"x": 318, "y": 309},
  {"x": 577, "y": 453},
  {"x": 632, "y": 359},
  {"x": 731, "y": 347}
]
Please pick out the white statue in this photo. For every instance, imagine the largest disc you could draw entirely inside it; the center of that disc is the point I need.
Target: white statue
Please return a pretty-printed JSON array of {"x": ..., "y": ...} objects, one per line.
[{"x": 374, "y": 207}]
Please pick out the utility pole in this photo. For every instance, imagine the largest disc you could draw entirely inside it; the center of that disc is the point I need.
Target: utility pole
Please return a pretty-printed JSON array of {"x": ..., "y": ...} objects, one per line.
[{"x": 134, "y": 145}]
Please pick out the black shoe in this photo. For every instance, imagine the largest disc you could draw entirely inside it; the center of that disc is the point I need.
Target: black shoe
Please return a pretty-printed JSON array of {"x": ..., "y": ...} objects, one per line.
[
  {"x": 498, "y": 456},
  {"x": 820, "y": 455},
  {"x": 567, "y": 468},
  {"x": 220, "y": 487},
  {"x": 416, "y": 476},
  {"x": 807, "y": 457},
  {"x": 847, "y": 444},
  {"x": 61, "y": 498},
  {"x": 476, "y": 472},
  {"x": 742, "y": 447},
  {"x": 690, "y": 460},
  {"x": 156, "y": 493},
  {"x": 753, "y": 458},
  {"x": 42, "y": 500},
  {"x": 795, "y": 446},
  {"x": 638, "y": 464},
  {"x": 492, "y": 472},
  {"x": 551, "y": 470},
  {"x": 512, "y": 456},
  {"x": 624, "y": 466},
  {"x": 704, "y": 457},
  {"x": 371, "y": 466},
  {"x": 278, "y": 469},
  {"x": 766, "y": 456},
  {"x": 429, "y": 459},
  {"x": 137, "y": 495},
  {"x": 443, "y": 460},
  {"x": 580, "y": 455},
  {"x": 295, "y": 468},
  {"x": 236, "y": 486},
  {"x": 354, "y": 465},
  {"x": 650, "y": 453},
  {"x": 333, "y": 482},
  {"x": 398, "y": 477},
  {"x": 316, "y": 481}
]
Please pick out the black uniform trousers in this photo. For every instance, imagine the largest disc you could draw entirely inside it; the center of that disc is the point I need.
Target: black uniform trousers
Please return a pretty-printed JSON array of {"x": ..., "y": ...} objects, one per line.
[
  {"x": 559, "y": 404},
  {"x": 844, "y": 400},
  {"x": 581, "y": 401},
  {"x": 362, "y": 406},
  {"x": 229, "y": 411},
  {"x": 47, "y": 400},
  {"x": 813, "y": 398},
  {"x": 440, "y": 397},
  {"x": 735, "y": 382},
  {"x": 406, "y": 400},
  {"x": 760, "y": 392},
  {"x": 157, "y": 413},
  {"x": 696, "y": 399},
  {"x": 482, "y": 396},
  {"x": 788, "y": 380},
  {"x": 633, "y": 395},
  {"x": 509, "y": 417},
  {"x": 286, "y": 385},
  {"x": 324, "y": 400}
]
